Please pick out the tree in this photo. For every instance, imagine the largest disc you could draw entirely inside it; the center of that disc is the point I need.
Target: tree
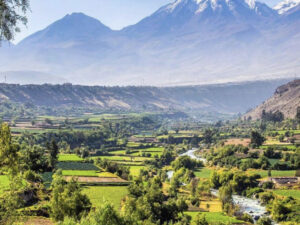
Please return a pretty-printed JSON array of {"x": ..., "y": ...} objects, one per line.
[
  {"x": 8, "y": 152},
  {"x": 225, "y": 195},
  {"x": 53, "y": 153},
  {"x": 208, "y": 136},
  {"x": 11, "y": 13},
  {"x": 201, "y": 219},
  {"x": 66, "y": 199},
  {"x": 298, "y": 114},
  {"x": 264, "y": 221},
  {"x": 257, "y": 139}
]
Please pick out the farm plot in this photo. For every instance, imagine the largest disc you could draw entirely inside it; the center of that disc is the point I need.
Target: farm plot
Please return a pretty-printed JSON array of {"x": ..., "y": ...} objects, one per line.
[
  {"x": 100, "y": 194},
  {"x": 238, "y": 141},
  {"x": 274, "y": 173},
  {"x": 98, "y": 180},
  {"x": 77, "y": 166},
  {"x": 203, "y": 172},
  {"x": 215, "y": 217},
  {"x": 135, "y": 170},
  {"x": 69, "y": 157},
  {"x": 288, "y": 193},
  {"x": 84, "y": 173},
  {"x": 123, "y": 158}
]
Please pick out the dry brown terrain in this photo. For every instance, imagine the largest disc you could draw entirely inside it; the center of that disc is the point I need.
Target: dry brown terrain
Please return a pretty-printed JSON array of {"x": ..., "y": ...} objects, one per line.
[
  {"x": 237, "y": 141},
  {"x": 286, "y": 99}
]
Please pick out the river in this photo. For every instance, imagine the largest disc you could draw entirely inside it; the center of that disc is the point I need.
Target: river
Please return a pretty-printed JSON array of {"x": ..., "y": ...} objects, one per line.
[{"x": 247, "y": 205}]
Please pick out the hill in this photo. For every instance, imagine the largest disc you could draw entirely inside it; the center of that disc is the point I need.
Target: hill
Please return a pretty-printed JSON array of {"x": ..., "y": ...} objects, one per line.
[
  {"x": 286, "y": 99},
  {"x": 230, "y": 98}
]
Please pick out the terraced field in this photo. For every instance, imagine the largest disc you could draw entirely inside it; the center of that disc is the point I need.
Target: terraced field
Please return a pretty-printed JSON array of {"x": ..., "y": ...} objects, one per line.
[
  {"x": 4, "y": 183},
  {"x": 69, "y": 157}
]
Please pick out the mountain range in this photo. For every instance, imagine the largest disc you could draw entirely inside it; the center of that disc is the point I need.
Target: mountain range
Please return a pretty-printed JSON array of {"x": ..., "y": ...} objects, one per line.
[
  {"x": 229, "y": 98},
  {"x": 185, "y": 42}
]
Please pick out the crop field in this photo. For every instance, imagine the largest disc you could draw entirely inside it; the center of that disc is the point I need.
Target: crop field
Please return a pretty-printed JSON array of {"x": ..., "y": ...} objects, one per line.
[
  {"x": 274, "y": 173},
  {"x": 76, "y": 166},
  {"x": 211, "y": 205},
  {"x": 238, "y": 141},
  {"x": 84, "y": 173},
  {"x": 288, "y": 193},
  {"x": 69, "y": 157},
  {"x": 4, "y": 183},
  {"x": 135, "y": 170},
  {"x": 47, "y": 178},
  {"x": 99, "y": 194},
  {"x": 98, "y": 180},
  {"x": 106, "y": 174},
  {"x": 123, "y": 158},
  {"x": 215, "y": 217},
  {"x": 203, "y": 173}
]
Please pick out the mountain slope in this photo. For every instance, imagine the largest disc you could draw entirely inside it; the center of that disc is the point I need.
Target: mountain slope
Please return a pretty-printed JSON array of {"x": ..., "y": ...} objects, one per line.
[{"x": 286, "y": 99}]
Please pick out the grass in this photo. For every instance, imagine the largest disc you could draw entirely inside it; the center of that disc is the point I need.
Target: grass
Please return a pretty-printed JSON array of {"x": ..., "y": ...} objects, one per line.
[
  {"x": 82, "y": 173},
  {"x": 135, "y": 170},
  {"x": 123, "y": 158},
  {"x": 214, "y": 205},
  {"x": 288, "y": 193},
  {"x": 69, "y": 157},
  {"x": 274, "y": 173},
  {"x": 203, "y": 173},
  {"x": 106, "y": 174},
  {"x": 112, "y": 194},
  {"x": 4, "y": 183},
  {"x": 214, "y": 217}
]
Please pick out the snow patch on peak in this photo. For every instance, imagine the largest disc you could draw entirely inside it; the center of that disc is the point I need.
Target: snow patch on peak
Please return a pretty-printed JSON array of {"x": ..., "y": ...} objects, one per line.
[{"x": 286, "y": 5}]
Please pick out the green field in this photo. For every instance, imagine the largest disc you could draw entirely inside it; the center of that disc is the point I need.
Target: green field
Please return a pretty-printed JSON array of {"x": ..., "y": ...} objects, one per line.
[
  {"x": 203, "y": 173},
  {"x": 4, "y": 183},
  {"x": 123, "y": 158},
  {"x": 288, "y": 193},
  {"x": 82, "y": 173},
  {"x": 274, "y": 173},
  {"x": 99, "y": 194},
  {"x": 69, "y": 157},
  {"x": 76, "y": 166},
  {"x": 135, "y": 170},
  {"x": 215, "y": 217}
]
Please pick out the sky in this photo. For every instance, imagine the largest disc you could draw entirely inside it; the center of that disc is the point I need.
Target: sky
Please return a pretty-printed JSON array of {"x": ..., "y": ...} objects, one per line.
[{"x": 113, "y": 13}]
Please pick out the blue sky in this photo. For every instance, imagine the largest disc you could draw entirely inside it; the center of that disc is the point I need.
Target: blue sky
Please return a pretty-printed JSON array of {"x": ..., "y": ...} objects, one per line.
[{"x": 114, "y": 13}]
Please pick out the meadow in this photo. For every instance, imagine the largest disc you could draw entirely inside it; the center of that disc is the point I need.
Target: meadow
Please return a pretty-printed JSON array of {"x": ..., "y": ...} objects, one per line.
[
  {"x": 274, "y": 173},
  {"x": 203, "y": 173},
  {"x": 288, "y": 193},
  {"x": 215, "y": 217},
  {"x": 112, "y": 194}
]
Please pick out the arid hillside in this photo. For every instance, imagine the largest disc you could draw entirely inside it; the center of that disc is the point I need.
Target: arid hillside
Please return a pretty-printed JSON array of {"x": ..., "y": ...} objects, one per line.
[{"x": 286, "y": 99}]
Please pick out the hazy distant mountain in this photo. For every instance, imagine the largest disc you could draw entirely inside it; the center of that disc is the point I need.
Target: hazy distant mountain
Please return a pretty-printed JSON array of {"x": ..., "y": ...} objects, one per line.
[
  {"x": 185, "y": 42},
  {"x": 286, "y": 99},
  {"x": 222, "y": 98}
]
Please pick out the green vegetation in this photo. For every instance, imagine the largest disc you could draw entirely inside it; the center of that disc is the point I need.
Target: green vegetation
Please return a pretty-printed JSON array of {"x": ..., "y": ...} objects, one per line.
[
  {"x": 76, "y": 166},
  {"x": 288, "y": 193},
  {"x": 203, "y": 172},
  {"x": 4, "y": 183},
  {"x": 99, "y": 194},
  {"x": 83, "y": 173},
  {"x": 215, "y": 217},
  {"x": 68, "y": 157}
]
